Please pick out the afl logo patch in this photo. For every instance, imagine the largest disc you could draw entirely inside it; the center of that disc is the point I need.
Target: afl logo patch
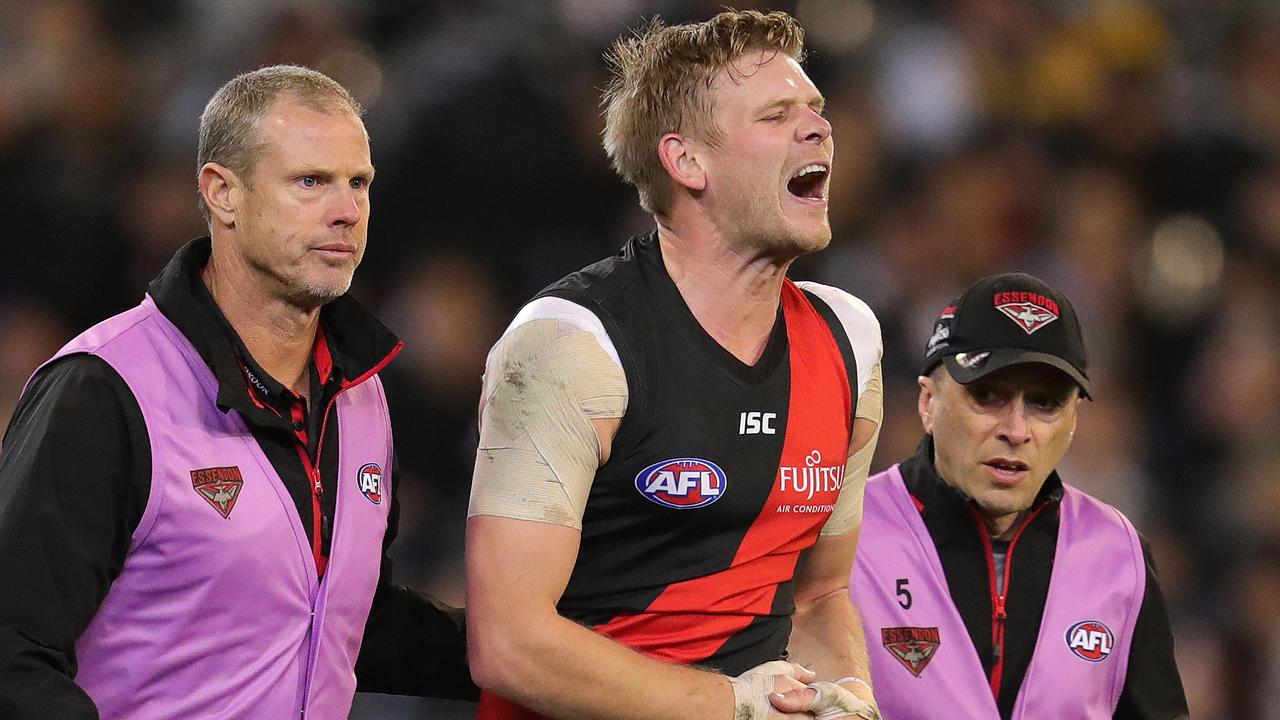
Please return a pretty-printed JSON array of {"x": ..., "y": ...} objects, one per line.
[
  {"x": 369, "y": 480},
  {"x": 1090, "y": 640},
  {"x": 683, "y": 483}
]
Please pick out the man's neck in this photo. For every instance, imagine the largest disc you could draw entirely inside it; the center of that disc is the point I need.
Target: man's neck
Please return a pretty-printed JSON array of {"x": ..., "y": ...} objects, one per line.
[
  {"x": 278, "y": 334},
  {"x": 733, "y": 294}
]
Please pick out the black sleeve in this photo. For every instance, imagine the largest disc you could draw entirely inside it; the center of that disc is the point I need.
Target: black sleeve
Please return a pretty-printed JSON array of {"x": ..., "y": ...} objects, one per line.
[
  {"x": 413, "y": 644},
  {"x": 74, "y": 478},
  {"x": 1152, "y": 685}
]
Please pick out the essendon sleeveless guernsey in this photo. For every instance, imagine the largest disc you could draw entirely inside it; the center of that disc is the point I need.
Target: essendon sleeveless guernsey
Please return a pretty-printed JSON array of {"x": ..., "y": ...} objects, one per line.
[
  {"x": 923, "y": 663},
  {"x": 720, "y": 474}
]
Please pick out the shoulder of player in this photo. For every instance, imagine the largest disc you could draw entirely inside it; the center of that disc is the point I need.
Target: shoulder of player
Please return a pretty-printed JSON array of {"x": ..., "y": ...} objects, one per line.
[
  {"x": 602, "y": 283},
  {"x": 857, "y": 318},
  {"x": 565, "y": 313}
]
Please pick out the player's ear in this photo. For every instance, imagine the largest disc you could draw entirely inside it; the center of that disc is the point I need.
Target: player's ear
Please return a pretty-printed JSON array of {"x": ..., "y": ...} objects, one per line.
[{"x": 679, "y": 157}]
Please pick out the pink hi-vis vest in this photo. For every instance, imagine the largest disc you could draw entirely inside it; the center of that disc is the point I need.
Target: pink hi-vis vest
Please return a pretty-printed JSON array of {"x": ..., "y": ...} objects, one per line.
[
  {"x": 923, "y": 664},
  {"x": 217, "y": 612}
]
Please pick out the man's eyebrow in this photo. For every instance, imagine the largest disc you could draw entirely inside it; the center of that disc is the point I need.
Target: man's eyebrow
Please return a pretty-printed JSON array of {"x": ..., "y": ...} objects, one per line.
[
  {"x": 328, "y": 174},
  {"x": 817, "y": 101},
  {"x": 773, "y": 105}
]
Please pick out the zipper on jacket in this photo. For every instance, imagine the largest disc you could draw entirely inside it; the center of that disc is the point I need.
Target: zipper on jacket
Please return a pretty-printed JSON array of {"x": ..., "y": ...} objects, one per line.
[
  {"x": 318, "y": 520},
  {"x": 326, "y": 527},
  {"x": 999, "y": 593},
  {"x": 321, "y": 527},
  {"x": 321, "y": 524}
]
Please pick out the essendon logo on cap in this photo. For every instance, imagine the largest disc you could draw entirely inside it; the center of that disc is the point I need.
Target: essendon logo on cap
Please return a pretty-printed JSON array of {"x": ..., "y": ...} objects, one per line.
[
  {"x": 219, "y": 486},
  {"x": 1031, "y": 311},
  {"x": 912, "y": 646}
]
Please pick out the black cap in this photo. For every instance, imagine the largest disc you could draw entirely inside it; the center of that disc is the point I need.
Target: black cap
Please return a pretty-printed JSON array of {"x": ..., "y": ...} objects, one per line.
[{"x": 1004, "y": 320}]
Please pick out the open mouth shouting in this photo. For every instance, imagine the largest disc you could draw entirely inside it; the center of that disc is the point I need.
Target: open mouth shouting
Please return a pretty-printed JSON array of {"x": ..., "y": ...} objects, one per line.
[{"x": 809, "y": 183}]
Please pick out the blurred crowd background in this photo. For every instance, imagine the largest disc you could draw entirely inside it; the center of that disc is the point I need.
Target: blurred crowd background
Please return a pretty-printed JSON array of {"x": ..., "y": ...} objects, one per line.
[{"x": 1126, "y": 151}]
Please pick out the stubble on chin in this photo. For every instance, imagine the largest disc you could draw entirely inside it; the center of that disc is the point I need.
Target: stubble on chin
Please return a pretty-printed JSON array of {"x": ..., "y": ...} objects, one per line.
[
  {"x": 798, "y": 237},
  {"x": 306, "y": 294},
  {"x": 766, "y": 228},
  {"x": 814, "y": 243}
]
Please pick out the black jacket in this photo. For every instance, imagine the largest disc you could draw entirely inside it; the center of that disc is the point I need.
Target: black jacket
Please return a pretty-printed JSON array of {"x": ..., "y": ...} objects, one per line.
[
  {"x": 1152, "y": 689},
  {"x": 75, "y": 474}
]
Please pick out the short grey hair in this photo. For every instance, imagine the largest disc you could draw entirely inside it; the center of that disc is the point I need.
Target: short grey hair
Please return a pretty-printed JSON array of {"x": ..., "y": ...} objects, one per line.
[{"x": 229, "y": 123}]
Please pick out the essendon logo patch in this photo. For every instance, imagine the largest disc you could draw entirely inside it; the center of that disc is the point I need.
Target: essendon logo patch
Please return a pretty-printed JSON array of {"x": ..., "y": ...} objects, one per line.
[
  {"x": 683, "y": 483},
  {"x": 1029, "y": 310},
  {"x": 913, "y": 646},
  {"x": 1090, "y": 640},
  {"x": 369, "y": 480},
  {"x": 219, "y": 486}
]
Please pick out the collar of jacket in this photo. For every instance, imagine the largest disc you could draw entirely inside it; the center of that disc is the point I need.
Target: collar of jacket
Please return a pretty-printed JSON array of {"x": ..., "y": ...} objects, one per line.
[
  {"x": 945, "y": 509},
  {"x": 358, "y": 343}
]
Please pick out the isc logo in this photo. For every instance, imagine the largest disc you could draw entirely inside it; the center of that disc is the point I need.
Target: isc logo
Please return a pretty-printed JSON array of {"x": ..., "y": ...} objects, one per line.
[
  {"x": 757, "y": 423},
  {"x": 1090, "y": 640},
  {"x": 683, "y": 483}
]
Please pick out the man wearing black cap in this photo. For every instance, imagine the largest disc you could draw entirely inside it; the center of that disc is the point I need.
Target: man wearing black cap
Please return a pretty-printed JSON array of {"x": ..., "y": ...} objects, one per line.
[{"x": 988, "y": 588}]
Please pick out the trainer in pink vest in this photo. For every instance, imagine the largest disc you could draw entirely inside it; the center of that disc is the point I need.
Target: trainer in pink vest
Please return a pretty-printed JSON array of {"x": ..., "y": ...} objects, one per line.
[
  {"x": 217, "y": 612},
  {"x": 923, "y": 664}
]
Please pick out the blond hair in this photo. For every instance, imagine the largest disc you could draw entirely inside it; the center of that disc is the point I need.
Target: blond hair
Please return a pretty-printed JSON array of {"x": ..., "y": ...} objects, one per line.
[
  {"x": 229, "y": 123},
  {"x": 660, "y": 81}
]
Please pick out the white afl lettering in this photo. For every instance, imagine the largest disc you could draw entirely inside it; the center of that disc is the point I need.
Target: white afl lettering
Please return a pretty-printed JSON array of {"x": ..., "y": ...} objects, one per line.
[
  {"x": 709, "y": 486},
  {"x": 668, "y": 482},
  {"x": 682, "y": 483},
  {"x": 679, "y": 486},
  {"x": 1091, "y": 641},
  {"x": 1101, "y": 641},
  {"x": 664, "y": 481},
  {"x": 689, "y": 479}
]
